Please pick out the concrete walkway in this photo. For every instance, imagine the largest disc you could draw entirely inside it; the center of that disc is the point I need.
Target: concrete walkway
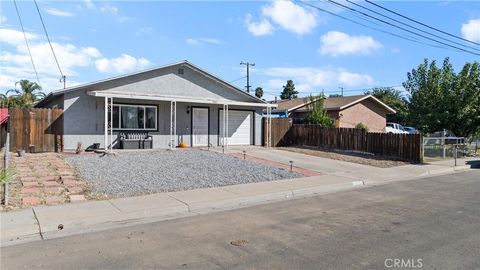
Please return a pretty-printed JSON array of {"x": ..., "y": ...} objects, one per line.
[{"x": 47, "y": 222}]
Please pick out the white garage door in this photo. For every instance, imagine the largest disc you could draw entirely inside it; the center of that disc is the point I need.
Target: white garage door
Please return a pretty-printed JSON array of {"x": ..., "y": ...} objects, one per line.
[{"x": 240, "y": 127}]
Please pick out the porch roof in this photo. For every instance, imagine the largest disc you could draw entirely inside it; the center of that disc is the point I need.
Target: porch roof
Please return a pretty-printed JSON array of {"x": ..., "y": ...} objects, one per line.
[{"x": 145, "y": 96}]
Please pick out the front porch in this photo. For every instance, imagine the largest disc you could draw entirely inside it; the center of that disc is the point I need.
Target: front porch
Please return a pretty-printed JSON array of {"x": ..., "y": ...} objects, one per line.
[{"x": 173, "y": 122}]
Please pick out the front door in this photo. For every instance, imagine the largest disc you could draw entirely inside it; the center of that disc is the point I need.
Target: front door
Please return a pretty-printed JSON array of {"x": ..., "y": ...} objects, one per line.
[{"x": 200, "y": 127}]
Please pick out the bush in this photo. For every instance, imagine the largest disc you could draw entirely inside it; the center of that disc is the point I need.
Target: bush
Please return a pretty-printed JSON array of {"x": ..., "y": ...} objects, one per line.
[
  {"x": 362, "y": 126},
  {"x": 319, "y": 115}
]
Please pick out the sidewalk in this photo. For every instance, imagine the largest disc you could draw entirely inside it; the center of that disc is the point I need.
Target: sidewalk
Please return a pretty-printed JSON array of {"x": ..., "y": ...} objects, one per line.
[{"x": 47, "y": 222}]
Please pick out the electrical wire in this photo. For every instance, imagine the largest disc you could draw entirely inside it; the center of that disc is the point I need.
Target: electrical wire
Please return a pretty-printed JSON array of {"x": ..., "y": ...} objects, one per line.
[
  {"x": 423, "y": 24},
  {"x": 237, "y": 79},
  {"x": 26, "y": 42},
  {"x": 413, "y": 27},
  {"x": 48, "y": 38},
  {"x": 402, "y": 28},
  {"x": 345, "y": 90},
  {"x": 370, "y": 27}
]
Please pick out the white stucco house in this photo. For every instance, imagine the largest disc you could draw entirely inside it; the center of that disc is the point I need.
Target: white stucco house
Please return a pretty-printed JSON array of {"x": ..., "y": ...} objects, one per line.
[{"x": 176, "y": 103}]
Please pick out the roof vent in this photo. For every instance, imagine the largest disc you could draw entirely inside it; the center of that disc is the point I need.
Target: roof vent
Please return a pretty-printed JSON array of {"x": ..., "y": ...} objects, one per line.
[{"x": 181, "y": 71}]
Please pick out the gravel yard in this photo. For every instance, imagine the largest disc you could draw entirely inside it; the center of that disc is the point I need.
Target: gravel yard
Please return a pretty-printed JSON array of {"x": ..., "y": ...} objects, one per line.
[{"x": 134, "y": 173}]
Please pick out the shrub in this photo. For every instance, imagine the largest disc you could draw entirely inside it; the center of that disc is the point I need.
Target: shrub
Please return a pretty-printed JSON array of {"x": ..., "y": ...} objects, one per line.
[{"x": 362, "y": 126}]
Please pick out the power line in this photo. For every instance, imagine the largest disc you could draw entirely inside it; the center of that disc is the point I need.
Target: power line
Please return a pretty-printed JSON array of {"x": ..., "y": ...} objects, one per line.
[
  {"x": 370, "y": 27},
  {"x": 345, "y": 90},
  {"x": 413, "y": 20},
  {"x": 237, "y": 79},
  {"x": 413, "y": 27},
  {"x": 399, "y": 27},
  {"x": 26, "y": 41},
  {"x": 50, "y": 43}
]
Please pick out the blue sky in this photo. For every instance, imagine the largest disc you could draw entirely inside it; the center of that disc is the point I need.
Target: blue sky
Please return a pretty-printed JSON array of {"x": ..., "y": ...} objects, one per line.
[{"x": 287, "y": 40}]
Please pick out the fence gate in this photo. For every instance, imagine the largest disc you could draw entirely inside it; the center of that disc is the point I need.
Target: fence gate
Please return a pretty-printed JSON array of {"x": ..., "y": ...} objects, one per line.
[{"x": 36, "y": 130}]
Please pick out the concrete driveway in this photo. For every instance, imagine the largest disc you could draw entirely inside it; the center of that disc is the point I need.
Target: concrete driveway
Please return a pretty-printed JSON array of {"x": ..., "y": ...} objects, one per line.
[
  {"x": 324, "y": 165},
  {"x": 346, "y": 169}
]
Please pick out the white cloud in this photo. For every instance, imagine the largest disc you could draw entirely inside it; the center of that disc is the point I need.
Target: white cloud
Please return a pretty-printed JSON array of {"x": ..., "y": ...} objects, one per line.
[
  {"x": 58, "y": 12},
  {"x": 124, "y": 19},
  {"x": 14, "y": 37},
  {"x": 310, "y": 79},
  {"x": 290, "y": 16},
  {"x": 395, "y": 50},
  {"x": 199, "y": 41},
  {"x": 122, "y": 64},
  {"x": 15, "y": 61},
  {"x": 336, "y": 43},
  {"x": 89, "y": 4},
  {"x": 108, "y": 8},
  {"x": 354, "y": 79},
  {"x": 261, "y": 28},
  {"x": 3, "y": 19},
  {"x": 471, "y": 30}
]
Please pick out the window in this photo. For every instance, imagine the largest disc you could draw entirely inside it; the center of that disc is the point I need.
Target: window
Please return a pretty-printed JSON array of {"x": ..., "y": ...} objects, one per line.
[{"x": 136, "y": 117}]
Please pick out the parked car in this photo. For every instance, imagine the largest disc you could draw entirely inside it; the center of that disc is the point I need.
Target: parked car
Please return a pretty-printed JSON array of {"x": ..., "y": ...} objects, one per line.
[
  {"x": 411, "y": 130},
  {"x": 395, "y": 128}
]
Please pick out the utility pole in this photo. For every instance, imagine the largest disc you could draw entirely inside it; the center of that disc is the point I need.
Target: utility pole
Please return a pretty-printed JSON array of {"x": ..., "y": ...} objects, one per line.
[
  {"x": 64, "y": 80},
  {"x": 248, "y": 73},
  {"x": 341, "y": 88}
]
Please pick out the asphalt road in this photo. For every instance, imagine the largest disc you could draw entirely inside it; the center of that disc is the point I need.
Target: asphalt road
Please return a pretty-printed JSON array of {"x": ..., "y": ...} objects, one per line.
[{"x": 433, "y": 223}]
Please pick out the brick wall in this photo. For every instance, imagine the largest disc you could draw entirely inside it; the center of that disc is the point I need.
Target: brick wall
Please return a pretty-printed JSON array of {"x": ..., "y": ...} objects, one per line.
[{"x": 367, "y": 112}]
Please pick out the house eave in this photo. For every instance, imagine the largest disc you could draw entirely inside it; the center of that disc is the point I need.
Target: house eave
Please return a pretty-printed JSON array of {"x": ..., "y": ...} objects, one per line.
[{"x": 140, "y": 96}]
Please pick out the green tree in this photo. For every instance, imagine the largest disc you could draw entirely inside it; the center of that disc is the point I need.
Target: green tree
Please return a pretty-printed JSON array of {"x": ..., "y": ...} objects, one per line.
[
  {"x": 289, "y": 91},
  {"x": 259, "y": 92},
  {"x": 318, "y": 114},
  {"x": 394, "y": 99},
  {"x": 8, "y": 101},
  {"x": 27, "y": 95},
  {"x": 439, "y": 98}
]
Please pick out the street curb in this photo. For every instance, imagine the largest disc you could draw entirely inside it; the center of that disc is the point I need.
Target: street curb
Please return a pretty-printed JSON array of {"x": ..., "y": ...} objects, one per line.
[
  {"x": 442, "y": 171},
  {"x": 127, "y": 219},
  {"x": 446, "y": 170}
]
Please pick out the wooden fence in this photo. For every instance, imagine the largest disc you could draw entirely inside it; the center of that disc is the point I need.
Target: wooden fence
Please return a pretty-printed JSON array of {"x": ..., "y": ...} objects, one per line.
[
  {"x": 406, "y": 147},
  {"x": 280, "y": 127},
  {"x": 36, "y": 130}
]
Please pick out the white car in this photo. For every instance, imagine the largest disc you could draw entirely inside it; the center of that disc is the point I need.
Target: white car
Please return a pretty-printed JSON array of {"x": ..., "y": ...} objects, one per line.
[{"x": 395, "y": 128}]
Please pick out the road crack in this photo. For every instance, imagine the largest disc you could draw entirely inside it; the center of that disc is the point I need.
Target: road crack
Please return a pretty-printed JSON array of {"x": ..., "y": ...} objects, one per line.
[{"x": 38, "y": 223}]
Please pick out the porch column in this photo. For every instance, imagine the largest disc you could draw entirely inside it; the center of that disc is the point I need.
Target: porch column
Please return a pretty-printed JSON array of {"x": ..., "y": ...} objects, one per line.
[
  {"x": 269, "y": 127},
  {"x": 225, "y": 126},
  {"x": 173, "y": 123},
  {"x": 105, "y": 127},
  {"x": 110, "y": 123}
]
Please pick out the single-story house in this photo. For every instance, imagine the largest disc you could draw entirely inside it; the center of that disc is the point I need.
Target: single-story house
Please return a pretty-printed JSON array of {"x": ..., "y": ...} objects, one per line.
[
  {"x": 176, "y": 103},
  {"x": 346, "y": 111}
]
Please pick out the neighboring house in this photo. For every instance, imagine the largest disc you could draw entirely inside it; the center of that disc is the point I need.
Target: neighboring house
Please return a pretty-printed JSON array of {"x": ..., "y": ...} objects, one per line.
[
  {"x": 177, "y": 103},
  {"x": 346, "y": 111}
]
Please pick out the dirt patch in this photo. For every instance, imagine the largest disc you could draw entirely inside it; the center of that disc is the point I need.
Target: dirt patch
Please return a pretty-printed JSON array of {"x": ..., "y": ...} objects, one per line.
[{"x": 348, "y": 157}]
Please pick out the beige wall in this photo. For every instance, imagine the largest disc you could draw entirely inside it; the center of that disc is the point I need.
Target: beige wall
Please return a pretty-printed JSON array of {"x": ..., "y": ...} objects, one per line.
[{"x": 367, "y": 112}]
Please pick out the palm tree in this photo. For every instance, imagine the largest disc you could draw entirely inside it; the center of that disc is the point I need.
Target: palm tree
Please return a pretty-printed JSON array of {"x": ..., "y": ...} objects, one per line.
[
  {"x": 27, "y": 95},
  {"x": 9, "y": 101}
]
